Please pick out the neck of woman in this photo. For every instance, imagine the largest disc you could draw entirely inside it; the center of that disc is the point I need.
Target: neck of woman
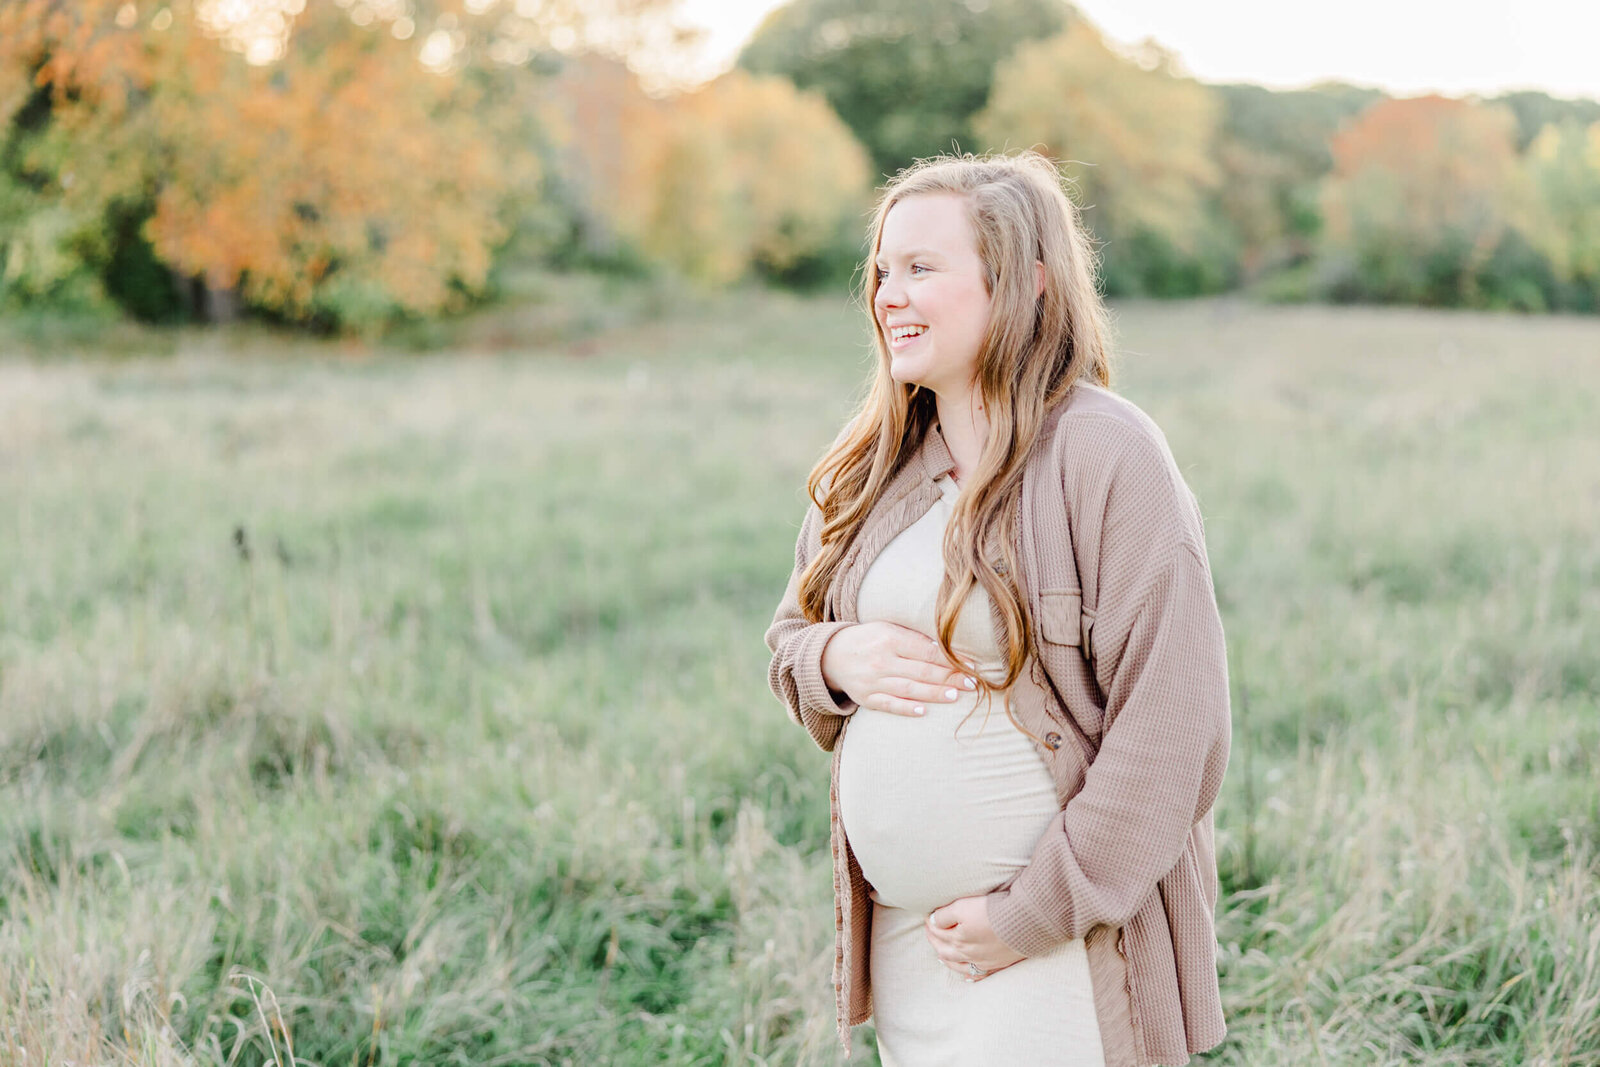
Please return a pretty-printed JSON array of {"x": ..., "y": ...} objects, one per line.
[{"x": 965, "y": 426}]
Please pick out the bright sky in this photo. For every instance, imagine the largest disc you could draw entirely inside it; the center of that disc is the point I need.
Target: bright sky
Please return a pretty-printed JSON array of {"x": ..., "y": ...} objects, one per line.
[{"x": 1406, "y": 46}]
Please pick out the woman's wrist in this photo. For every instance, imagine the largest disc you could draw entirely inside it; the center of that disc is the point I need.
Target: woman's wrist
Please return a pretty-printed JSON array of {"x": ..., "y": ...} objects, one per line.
[{"x": 829, "y": 678}]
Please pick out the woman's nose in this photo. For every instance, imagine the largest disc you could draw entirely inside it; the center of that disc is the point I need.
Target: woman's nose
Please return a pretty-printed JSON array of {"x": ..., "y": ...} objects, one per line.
[{"x": 890, "y": 293}]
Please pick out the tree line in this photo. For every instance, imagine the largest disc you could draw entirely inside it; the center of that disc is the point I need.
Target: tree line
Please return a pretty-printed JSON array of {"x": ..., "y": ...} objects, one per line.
[
  {"x": 348, "y": 163},
  {"x": 1334, "y": 192}
]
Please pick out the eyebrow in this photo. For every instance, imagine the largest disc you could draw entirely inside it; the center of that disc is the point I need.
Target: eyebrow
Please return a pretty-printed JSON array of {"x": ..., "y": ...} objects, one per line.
[{"x": 915, "y": 253}]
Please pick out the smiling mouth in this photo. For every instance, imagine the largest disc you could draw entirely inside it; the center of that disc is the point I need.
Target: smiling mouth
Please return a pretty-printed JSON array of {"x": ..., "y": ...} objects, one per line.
[{"x": 903, "y": 335}]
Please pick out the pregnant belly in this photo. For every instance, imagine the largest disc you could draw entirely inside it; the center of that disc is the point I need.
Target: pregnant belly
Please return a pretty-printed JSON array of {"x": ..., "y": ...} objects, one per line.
[{"x": 942, "y": 806}]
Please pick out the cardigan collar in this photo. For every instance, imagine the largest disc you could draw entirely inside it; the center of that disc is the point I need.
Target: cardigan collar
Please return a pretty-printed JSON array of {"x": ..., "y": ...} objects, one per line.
[{"x": 934, "y": 454}]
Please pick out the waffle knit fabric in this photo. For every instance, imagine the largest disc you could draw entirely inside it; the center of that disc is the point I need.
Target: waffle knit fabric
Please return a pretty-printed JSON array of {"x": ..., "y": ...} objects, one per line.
[{"x": 1130, "y": 697}]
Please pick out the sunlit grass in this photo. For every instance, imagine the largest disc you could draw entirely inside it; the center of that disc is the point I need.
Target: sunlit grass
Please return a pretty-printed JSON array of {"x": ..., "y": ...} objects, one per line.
[{"x": 423, "y": 698}]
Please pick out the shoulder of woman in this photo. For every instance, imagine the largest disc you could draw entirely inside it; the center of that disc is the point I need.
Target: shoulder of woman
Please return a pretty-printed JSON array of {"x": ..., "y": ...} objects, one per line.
[
  {"x": 1132, "y": 514},
  {"x": 1102, "y": 437}
]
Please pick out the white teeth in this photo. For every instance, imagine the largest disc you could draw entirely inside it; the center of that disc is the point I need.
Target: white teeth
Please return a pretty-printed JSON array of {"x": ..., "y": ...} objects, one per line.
[{"x": 900, "y": 333}]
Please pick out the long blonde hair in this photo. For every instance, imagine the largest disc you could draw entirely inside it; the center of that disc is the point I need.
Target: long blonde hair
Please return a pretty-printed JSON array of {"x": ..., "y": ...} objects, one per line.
[{"x": 1036, "y": 347}]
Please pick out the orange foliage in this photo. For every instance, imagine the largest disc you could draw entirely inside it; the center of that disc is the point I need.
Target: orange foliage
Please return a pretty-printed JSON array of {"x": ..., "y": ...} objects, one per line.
[
  {"x": 608, "y": 130},
  {"x": 1424, "y": 166},
  {"x": 342, "y": 173}
]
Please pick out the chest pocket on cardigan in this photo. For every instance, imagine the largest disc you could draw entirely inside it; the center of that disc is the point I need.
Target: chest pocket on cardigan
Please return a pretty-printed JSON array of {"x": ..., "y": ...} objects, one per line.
[
  {"x": 1064, "y": 621},
  {"x": 1061, "y": 617}
]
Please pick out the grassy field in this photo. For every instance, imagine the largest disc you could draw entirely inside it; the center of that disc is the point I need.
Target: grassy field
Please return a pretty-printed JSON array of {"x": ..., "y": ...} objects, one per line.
[{"x": 412, "y": 709}]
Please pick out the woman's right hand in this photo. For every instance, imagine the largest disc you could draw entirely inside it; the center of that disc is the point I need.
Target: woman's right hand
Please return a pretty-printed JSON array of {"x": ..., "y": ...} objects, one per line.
[{"x": 891, "y": 668}]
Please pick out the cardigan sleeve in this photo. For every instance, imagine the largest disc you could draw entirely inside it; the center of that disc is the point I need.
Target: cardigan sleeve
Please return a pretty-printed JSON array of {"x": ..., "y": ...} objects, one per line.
[
  {"x": 1161, "y": 664},
  {"x": 797, "y": 645}
]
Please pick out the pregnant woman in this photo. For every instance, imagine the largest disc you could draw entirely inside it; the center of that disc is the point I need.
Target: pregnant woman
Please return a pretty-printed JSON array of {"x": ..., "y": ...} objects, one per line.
[{"x": 1001, "y": 623}]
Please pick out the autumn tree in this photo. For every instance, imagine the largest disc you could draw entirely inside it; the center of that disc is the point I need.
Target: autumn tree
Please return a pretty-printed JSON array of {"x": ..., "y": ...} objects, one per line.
[
  {"x": 747, "y": 173},
  {"x": 1271, "y": 148},
  {"x": 905, "y": 75},
  {"x": 1135, "y": 139},
  {"x": 1422, "y": 193},
  {"x": 802, "y": 179},
  {"x": 53, "y": 212},
  {"x": 605, "y": 131},
  {"x": 333, "y": 160},
  {"x": 339, "y": 180}
]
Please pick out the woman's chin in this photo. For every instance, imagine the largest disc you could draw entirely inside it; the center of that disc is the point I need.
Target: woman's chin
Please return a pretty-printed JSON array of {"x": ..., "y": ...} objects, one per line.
[{"x": 906, "y": 373}]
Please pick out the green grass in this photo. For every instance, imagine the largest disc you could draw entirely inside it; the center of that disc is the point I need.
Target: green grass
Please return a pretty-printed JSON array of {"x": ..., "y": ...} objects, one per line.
[{"x": 429, "y": 693}]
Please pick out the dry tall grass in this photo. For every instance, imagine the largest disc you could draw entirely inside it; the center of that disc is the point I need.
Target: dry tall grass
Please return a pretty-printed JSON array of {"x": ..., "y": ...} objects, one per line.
[{"x": 413, "y": 709}]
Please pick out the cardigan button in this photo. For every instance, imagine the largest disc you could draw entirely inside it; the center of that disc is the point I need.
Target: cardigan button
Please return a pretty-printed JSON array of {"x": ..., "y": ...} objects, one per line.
[{"x": 1053, "y": 739}]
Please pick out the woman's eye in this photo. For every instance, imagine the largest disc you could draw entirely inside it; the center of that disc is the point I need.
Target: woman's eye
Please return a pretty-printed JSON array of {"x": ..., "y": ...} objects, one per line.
[
  {"x": 882, "y": 274},
  {"x": 915, "y": 267}
]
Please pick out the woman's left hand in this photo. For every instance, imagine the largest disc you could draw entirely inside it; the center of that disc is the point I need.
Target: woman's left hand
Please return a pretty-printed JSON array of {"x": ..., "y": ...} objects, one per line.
[{"x": 960, "y": 933}]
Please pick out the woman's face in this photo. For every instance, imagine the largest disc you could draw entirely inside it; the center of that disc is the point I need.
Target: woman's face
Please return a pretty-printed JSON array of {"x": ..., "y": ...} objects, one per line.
[{"x": 932, "y": 304}]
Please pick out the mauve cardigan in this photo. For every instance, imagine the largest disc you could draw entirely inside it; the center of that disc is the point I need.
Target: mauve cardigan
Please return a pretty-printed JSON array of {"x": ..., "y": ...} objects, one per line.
[{"x": 1129, "y": 691}]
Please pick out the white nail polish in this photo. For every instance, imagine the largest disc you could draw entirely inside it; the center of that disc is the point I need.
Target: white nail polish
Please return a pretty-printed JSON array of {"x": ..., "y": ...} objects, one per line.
[
  {"x": 971, "y": 683},
  {"x": 919, "y": 710},
  {"x": 950, "y": 694}
]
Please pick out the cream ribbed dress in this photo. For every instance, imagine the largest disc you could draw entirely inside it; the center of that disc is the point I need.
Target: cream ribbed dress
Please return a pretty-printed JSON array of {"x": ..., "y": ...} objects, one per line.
[{"x": 946, "y": 806}]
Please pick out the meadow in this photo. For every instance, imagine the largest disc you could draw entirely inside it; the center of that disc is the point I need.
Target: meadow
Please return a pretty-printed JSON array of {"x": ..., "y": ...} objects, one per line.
[{"x": 388, "y": 708}]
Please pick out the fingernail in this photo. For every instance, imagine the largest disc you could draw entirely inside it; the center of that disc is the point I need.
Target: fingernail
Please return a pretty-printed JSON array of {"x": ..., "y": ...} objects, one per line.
[
  {"x": 950, "y": 694},
  {"x": 970, "y": 683},
  {"x": 919, "y": 710}
]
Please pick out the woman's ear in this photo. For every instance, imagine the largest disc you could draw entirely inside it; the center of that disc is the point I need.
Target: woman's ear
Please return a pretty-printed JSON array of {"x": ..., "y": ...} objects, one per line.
[{"x": 1038, "y": 271}]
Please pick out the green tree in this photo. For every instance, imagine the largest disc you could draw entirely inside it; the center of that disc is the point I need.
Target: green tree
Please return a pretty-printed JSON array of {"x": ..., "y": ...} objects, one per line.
[
  {"x": 1272, "y": 150},
  {"x": 1535, "y": 110},
  {"x": 905, "y": 75},
  {"x": 1563, "y": 165},
  {"x": 54, "y": 213},
  {"x": 1135, "y": 139}
]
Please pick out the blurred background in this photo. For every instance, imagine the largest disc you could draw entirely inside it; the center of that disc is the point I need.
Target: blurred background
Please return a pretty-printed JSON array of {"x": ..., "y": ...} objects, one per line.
[
  {"x": 349, "y": 165},
  {"x": 405, "y": 407}
]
